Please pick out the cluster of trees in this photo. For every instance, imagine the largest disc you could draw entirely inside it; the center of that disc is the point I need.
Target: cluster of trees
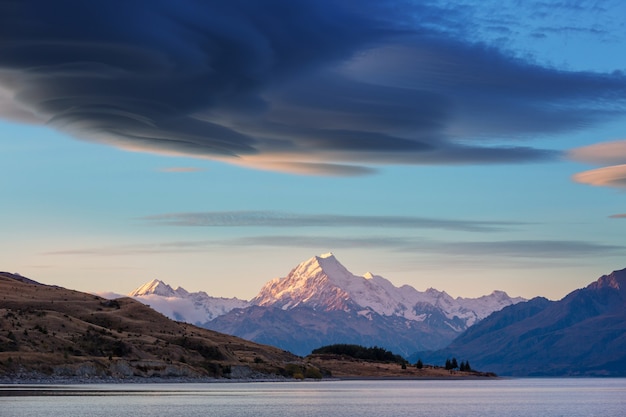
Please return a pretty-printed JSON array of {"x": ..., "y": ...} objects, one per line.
[
  {"x": 450, "y": 365},
  {"x": 375, "y": 354},
  {"x": 378, "y": 354},
  {"x": 453, "y": 364}
]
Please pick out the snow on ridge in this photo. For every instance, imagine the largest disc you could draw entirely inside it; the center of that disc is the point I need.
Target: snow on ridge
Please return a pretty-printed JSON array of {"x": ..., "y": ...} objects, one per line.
[
  {"x": 322, "y": 281},
  {"x": 155, "y": 286},
  {"x": 182, "y": 305}
]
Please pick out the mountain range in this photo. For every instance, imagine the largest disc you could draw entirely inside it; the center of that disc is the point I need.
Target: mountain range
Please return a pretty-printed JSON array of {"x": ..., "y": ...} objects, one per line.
[
  {"x": 50, "y": 334},
  {"x": 583, "y": 334},
  {"x": 53, "y": 331},
  {"x": 178, "y": 304},
  {"x": 320, "y": 302}
]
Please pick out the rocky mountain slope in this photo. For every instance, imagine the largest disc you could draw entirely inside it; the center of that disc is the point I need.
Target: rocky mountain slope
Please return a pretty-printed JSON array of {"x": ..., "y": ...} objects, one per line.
[
  {"x": 583, "y": 334},
  {"x": 320, "y": 302}
]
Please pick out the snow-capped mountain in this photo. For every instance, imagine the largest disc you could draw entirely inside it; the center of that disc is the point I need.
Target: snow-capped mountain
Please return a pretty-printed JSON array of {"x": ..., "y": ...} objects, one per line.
[
  {"x": 322, "y": 283},
  {"x": 179, "y": 304},
  {"x": 320, "y": 302},
  {"x": 157, "y": 287}
]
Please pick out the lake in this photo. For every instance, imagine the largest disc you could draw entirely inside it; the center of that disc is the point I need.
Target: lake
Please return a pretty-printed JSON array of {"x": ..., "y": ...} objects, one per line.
[{"x": 497, "y": 397}]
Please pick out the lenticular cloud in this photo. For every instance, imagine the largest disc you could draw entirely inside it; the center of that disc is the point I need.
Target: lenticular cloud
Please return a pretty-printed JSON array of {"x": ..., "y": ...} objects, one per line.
[{"x": 311, "y": 87}]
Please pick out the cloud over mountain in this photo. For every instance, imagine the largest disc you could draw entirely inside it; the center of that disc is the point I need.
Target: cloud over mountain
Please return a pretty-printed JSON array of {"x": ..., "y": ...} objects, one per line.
[{"x": 313, "y": 87}]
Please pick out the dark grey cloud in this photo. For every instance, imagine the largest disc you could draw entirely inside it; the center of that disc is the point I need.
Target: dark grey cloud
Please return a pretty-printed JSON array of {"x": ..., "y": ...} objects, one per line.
[
  {"x": 282, "y": 219},
  {"x": 317, "y": 87}
]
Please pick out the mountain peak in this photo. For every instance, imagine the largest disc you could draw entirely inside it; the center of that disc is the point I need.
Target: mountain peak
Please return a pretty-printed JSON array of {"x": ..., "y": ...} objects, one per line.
[
  {"x": 156, "y": 287},
  {"x": 325, "y": 264},
  {"x": 323, "y": 283},
  {"x": 615, "y": 280},
  {"x": 318, "y": 282}
]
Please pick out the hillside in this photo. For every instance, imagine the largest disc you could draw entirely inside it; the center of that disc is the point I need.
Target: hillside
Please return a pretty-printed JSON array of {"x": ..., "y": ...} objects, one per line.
[
  {"x": 58, "y": 332},
  {"x": 583, "y": 334}
]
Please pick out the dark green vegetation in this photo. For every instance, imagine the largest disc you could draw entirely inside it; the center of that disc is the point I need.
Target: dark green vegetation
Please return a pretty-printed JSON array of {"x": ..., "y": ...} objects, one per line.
[
  {"x": 356, "y": 361},
  {"x": 454, "y": 364},
  {"x": 375, "y": 354}
]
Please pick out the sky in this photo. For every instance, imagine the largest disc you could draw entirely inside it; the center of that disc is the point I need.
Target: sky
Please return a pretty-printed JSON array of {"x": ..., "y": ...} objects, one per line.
[{"x": 459, "y": 145}]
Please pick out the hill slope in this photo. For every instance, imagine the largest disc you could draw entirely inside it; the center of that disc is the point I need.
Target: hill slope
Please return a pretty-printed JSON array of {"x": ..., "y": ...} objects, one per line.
[
  {"x": 582, "y": 334},
  {"x": 53, "y": 331}
]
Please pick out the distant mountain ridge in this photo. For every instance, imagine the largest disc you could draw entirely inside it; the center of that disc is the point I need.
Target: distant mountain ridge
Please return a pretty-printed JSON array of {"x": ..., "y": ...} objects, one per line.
[
  {"x": 158, "y": 287},
  {"x": 583, "y": 334},
  {"x": 321, "y": 302},
  {"x": 179, "y": 304},
  {"x": 323, "y": 283}
]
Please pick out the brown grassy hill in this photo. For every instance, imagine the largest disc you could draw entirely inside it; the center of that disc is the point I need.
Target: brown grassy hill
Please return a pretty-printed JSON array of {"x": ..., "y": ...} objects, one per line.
[{"x": 59, "y": 332}]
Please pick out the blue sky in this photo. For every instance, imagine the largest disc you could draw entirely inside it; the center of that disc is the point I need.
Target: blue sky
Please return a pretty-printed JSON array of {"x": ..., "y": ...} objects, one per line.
[{"x": 440, "y": 144}]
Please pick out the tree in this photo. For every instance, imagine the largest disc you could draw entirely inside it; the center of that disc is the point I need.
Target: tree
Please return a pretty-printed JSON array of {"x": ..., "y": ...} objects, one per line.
[
  {"x": 419, "y": 364},
  {"x": 448, "y": 364},
  {"x": 454, "y": 364},
  {"x": 465, "y": 366}
]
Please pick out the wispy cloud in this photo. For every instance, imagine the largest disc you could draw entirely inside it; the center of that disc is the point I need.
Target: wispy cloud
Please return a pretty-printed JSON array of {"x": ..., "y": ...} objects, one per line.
[
  {"x": 532, "y": 249},
  {"x": 488, "y": 250},
  {"x": 558, "y": 249},
  {"x": 618, "y": 216},
  {"x": 283, "y": 219},
  {"x": 139, "y": 249},
  {"x": 310, "y": 87}
]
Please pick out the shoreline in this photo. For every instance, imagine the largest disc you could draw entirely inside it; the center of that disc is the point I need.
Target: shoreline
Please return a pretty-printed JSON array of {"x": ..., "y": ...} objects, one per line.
[{"x": 65, "y": 381}]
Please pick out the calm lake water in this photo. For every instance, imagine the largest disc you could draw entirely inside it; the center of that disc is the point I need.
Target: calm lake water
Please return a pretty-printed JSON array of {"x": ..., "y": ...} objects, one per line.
[{"x": 505, "y": 397}]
